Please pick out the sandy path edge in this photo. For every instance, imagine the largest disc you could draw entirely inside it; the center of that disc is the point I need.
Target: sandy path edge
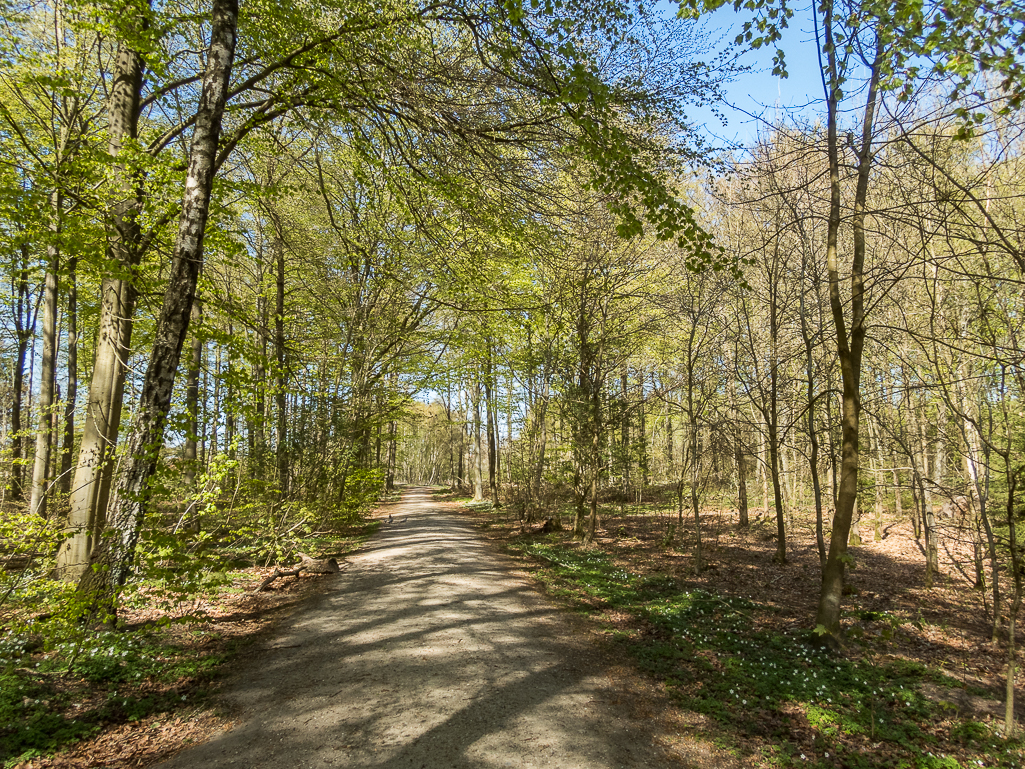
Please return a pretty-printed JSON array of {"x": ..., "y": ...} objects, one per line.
[{"x": 431, "y": 651}]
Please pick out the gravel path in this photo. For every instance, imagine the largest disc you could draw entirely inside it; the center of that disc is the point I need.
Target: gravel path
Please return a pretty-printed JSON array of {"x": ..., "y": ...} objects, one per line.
[{"x": 428, "y": 651}]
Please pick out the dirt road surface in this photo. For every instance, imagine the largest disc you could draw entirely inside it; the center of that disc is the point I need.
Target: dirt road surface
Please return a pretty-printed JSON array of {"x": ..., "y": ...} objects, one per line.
[{"x": 429, "y": 651}]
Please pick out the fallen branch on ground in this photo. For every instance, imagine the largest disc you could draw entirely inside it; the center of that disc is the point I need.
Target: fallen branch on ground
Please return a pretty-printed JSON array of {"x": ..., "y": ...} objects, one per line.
[{"x": 307, "y": 564}]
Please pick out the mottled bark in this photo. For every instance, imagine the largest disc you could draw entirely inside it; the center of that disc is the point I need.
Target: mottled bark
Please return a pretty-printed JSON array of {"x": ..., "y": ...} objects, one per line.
[
  {"x": 113, "y": 556},
  {"x": 91, "y": 485}
]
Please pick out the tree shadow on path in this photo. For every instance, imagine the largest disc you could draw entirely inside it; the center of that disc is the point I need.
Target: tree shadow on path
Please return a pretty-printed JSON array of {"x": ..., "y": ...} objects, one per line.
[{"x": 428, "y": 652}]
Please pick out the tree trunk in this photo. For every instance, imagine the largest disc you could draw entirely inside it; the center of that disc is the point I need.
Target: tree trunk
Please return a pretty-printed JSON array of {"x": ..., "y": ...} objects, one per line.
[
  {"x": 854, "y": 538},
  {"x": 642, "y": 439},
  {"x": 849, "y": 347},
  {"x": 281, "y": 371},
  {"x": 738, "y": 456},
  {"x": 780, "y": 556},
  {"x": 624, "y": 414},
  {"x": 1016, "y": 569},
  {"x": 258, "y": 421},
  {"x": 230, "y": 420},
  {"x": 190, "y": 453},
  {"x": 41, "y": 477},
  {"x": 113, "y": 556},
  {"x": 489, "y": 409},
  {"x": 813, "y": 437},
  {"x": 25, "y": 315},
  {"x": 71, "y": 395},
  {"x": 118, "y": 294},
  {"x": 927, "y": 513},
  {"x": 478, "y": 448},
  {"x": 694, "y": 480},
  {"x": 538, "y": 468},
  {"x": 898, "y": 504}
]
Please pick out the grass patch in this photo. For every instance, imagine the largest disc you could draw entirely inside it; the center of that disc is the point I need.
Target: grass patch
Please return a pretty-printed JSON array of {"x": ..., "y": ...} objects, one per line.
[{"x": 778, "y": 695}]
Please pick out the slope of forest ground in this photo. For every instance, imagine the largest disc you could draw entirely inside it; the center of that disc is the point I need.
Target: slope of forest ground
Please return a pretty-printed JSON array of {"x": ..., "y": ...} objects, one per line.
[
  {"x": 134, "y": 696},
  {"x": 919, "y": 684}
]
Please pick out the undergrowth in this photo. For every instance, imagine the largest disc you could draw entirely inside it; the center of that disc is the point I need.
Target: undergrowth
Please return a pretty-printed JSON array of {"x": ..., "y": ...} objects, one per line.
[
  {"x": 51, "y": 699},
  {"x": 61, "y": 682},
  {"x": 779, "y": 691}
]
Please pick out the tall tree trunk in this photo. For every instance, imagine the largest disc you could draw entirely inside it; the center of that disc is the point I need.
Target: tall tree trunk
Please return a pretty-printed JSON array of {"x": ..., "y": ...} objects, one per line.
[
  {"x": 258, "y": 422},
  {"x": 215, "y": 426},
  {"x": 928, "y": 513},
  {"x": 780, "y": 556},
  {"x": 281, "y": 369},
  {"x": 695, "y": 469},
  {"x": 537, "y": 470},
  {"x": 71, "y": 395},
  {"x": 642, "y": 438},
  {"x": 624, "y": 441},
  {"x": 478, "y": 448},
  {"x": 191, "y": 449},
  {"x": 25, "y": 314},
  {"x": 230, "y": 411},
  {"x": 1016, "y": 569},
  {"x": 763, "y": 467},
  {"x": 112, "y": 558},
  {"x": 41, "y": 477},
  {"x": 461, "y": 464},
  {"x": 850, "y": 341},
  {"x": 489, "y": 408},
  {"x": 91, "y": 486},
  {"x": 739, "y": 459},
  {"x": 669, "y": 455},
  {"x": 811, "y": 398},
  {"x": 593, "y": 404}
]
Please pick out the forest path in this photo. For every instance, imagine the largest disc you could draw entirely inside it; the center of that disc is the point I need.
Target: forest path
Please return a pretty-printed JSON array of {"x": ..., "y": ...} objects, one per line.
[{"x": 430, "y": 651}]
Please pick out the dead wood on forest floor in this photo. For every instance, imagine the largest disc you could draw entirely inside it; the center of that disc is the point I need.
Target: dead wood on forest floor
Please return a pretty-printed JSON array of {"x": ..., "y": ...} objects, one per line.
[{"x": 306, "y": 565}]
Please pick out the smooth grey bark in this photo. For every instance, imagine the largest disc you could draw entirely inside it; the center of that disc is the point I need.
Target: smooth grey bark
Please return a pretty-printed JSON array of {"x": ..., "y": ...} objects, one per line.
[
  {"x": 118, "y": 293},
  {"x": 71, "y": 394},
  {"x": 41, "y": 475},
  {"x": 112, "y": 558}
]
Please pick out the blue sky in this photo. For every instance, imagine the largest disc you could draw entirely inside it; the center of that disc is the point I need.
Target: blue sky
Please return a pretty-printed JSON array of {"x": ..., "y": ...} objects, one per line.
[{"x": 759, "y": 92}]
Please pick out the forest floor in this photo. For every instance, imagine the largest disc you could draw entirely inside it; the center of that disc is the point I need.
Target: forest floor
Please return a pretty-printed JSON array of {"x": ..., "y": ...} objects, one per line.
[
  {"x": 432, "y": 649},
  {"x": 918, "y": 656}
]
